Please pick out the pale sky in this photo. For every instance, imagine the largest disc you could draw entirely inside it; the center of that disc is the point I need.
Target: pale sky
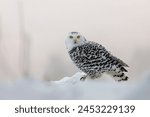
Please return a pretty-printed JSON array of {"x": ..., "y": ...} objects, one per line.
[{"x": 122, "y": 26}]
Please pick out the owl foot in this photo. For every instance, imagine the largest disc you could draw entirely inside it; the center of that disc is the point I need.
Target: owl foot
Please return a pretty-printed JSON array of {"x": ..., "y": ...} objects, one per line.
[{"x": 83, "y": 78}]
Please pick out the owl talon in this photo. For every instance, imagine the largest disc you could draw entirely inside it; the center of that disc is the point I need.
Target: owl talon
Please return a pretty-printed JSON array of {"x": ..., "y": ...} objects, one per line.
[{"x": 83, "y": 78}]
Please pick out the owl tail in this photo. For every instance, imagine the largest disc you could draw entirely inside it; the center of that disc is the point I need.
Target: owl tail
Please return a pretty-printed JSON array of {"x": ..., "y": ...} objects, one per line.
[{"x": 121, "y": 77}]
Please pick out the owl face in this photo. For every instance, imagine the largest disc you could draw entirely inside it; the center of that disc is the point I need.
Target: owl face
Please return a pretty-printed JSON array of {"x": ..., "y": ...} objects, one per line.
[{"x": 74, "y": 39}]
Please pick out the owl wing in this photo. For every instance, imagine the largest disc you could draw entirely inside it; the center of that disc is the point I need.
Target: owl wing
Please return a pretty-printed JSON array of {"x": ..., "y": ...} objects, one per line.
[
  {"x": 120, "y": 61},
  {"x": 113, "y": 57}
]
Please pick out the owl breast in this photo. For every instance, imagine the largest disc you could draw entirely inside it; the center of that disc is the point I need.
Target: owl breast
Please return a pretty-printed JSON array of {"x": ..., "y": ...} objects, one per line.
[{"x": 90, "y": 58}]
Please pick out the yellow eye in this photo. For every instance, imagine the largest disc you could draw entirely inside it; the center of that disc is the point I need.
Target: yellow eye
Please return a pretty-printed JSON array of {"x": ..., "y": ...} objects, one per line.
[
  {"x": 78, "y": 36},
  {"x": 70, "y": 37}
]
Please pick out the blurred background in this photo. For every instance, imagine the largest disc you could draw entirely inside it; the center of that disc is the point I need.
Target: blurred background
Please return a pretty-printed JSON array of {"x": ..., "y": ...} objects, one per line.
[{"x": 32, "y": 34}]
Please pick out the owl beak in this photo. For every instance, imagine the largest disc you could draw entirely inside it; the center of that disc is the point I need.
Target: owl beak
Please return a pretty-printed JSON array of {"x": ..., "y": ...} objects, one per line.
[{"x": 75, "y": 41}]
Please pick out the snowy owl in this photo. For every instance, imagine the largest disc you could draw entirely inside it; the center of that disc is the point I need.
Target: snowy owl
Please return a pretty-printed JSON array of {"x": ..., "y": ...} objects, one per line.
[{"x": 93, "y": 59}]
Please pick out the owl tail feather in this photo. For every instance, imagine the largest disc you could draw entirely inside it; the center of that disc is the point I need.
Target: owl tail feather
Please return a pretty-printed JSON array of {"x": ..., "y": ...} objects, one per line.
[{"x": 123, "y": 69}]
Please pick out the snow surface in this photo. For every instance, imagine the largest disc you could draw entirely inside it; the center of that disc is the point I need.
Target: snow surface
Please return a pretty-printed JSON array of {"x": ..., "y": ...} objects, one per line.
[{"x": 73, "y": 88}]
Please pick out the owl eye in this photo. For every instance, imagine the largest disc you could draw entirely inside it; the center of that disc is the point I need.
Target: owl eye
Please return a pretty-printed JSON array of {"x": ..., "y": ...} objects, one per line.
[
  {"x": 78, "y": 36},
  {"x": 70, "y": 37}
]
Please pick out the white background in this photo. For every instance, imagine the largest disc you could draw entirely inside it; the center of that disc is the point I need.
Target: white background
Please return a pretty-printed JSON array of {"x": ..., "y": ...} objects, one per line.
[{"x": 7, "y": 107}]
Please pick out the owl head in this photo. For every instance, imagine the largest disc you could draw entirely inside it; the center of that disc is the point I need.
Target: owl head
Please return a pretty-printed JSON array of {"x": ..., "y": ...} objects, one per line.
[{"x": 74, "y": 39}]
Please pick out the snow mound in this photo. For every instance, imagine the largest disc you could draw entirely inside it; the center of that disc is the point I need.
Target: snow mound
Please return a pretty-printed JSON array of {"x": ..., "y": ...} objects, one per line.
[
  {"x": 70, "y": 80},
  {"x": 73, "y": 88}
]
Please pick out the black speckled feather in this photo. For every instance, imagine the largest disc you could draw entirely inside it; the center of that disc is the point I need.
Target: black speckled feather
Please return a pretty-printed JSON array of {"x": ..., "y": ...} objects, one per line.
[{"x": 92, "y": 58}]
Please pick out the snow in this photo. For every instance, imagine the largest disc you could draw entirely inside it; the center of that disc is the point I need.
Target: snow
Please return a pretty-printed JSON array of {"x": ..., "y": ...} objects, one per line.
[
  {"x": 73, "y": 88},
  {"x": 70, "y": 80}
]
